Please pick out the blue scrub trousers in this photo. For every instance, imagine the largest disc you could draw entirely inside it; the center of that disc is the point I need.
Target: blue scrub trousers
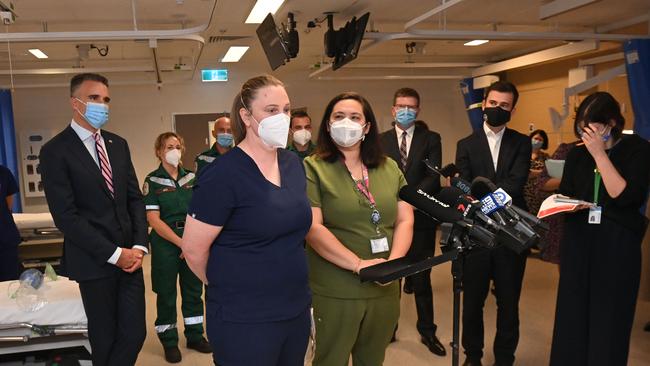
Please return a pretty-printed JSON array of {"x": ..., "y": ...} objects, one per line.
[{"x": 278, "y": 343}]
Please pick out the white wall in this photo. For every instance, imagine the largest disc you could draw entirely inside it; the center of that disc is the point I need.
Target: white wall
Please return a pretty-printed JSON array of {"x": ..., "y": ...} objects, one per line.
[{"x": 140, "y": 113}]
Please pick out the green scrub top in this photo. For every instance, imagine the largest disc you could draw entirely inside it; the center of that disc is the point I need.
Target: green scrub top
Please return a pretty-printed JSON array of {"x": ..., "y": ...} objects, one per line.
[{"x": 346, "y": 213}]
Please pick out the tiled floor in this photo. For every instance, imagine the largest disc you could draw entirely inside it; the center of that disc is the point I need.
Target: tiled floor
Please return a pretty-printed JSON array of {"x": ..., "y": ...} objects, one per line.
[{"x": 537, "y": 312}]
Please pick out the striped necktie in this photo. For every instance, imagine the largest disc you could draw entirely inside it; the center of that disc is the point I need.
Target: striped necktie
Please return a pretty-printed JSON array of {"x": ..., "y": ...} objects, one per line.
[
  {"x": 104, "y": 165},
  {"x": 402, "y": 151}
]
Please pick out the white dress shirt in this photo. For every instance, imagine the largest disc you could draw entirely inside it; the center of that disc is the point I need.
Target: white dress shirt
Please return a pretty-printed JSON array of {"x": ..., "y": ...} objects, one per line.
[
  {"x": 409, "y": 136},
  {"x": 494, "y": 141},
  {"x": 89, "y": 142}
]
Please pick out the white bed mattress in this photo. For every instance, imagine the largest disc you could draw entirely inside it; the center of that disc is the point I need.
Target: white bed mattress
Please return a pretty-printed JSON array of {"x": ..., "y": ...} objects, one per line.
[
  {"x": 64, "y": 305},
  {"x": 33, "y": 220}
]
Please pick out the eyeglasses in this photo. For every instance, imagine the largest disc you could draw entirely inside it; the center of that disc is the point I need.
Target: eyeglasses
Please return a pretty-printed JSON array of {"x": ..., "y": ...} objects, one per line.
[{"x": 400, "y": 106}]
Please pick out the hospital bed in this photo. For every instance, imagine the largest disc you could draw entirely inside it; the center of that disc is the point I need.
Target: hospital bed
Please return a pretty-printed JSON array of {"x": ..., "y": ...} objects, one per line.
[
  {"x": 60, "y": 323},
  {"x": 41, "y": 241}
]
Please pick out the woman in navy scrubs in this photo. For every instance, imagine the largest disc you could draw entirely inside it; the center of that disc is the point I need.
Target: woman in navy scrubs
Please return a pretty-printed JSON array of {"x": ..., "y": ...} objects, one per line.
[{"x": 244, "y": 236}]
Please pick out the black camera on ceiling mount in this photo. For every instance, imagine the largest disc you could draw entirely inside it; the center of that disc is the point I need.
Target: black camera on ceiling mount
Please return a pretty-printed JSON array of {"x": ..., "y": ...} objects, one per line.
[
  {"x": 343, "y": 44},
  {"x": 279, "y": 44}
]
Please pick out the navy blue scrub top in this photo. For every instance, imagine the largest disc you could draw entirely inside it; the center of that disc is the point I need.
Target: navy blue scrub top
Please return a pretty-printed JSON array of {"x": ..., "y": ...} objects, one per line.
[
  {"x": 9, "y": 235},
  {"x": 257, "y": 269}
]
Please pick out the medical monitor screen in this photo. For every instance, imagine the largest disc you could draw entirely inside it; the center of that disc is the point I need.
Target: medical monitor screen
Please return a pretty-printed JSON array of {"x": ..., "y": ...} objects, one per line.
[
  {"x": 272, "y": 43},
  {"x": 349, "y": 40}
]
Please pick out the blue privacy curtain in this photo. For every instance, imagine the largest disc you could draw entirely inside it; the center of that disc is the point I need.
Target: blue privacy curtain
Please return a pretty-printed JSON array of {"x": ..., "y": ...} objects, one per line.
[
  {"x": 8, "y": 156},
  {"x": 473, "y": 98},
  {"x": 637, "y": 63}
]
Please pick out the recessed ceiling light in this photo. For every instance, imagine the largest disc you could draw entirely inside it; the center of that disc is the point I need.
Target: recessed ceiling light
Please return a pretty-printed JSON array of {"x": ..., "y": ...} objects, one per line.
[
  {"x": 261, "y": 9},
  {"x": 38, "y": 53},
  {"x": 476, "y": 42},
  {"x": 234, "y": 53}
]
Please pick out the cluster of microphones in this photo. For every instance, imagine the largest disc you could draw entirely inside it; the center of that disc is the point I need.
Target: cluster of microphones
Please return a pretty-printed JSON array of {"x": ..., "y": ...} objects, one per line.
[{"x": 477, "y": 213}]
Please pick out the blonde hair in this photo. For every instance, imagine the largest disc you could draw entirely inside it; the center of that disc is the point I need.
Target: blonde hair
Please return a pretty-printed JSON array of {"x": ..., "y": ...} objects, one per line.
[
  {"x": 160, "y": 141},
  {"x": 245, "y": 98}
]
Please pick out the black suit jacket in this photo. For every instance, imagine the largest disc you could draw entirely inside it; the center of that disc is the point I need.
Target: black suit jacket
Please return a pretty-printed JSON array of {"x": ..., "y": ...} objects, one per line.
[
  {"x": 474, "y": 159},
  {"x": 93, "y": 223},
  {"x": 424, "y": 145}
]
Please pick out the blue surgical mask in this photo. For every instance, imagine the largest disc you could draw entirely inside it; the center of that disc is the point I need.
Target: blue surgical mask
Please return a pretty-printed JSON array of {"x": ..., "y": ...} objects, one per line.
[
  {"x": 96, "y": 113},
  {"x": 608, "y": 135},
  {"x": 224, "y": 139},
  {"x": 405, "y": 116},
  {"x": 536, "y": 144}
]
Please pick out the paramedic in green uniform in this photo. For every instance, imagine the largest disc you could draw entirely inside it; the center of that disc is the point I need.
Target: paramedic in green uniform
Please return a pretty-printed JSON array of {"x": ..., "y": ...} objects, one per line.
[
  {"x": 223, "y": 133},
  {"x": 358, "y": 221},
  {"x": 300, "y": 131},
  {"x": 167, "y": 193}
]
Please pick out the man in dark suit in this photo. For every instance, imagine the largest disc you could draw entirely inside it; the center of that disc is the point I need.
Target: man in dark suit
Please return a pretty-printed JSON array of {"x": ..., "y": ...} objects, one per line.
[
  {"x": 409, "y": 143},
  {"x": 94, "y": 196},
  {"x": 503, "y": 156}
]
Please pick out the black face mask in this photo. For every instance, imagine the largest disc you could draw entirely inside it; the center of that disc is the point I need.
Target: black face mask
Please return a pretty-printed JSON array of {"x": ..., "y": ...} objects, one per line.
[{"x": 496, "y": 116}]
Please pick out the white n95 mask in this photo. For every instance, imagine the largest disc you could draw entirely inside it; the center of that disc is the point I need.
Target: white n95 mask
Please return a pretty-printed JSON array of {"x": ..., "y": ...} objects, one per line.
[
  {"x": 274, "y": 130},
  {"x": 173, "y": 157},
  {"x": 301, "y": 137},
  {"x": 346, "y": 132}
]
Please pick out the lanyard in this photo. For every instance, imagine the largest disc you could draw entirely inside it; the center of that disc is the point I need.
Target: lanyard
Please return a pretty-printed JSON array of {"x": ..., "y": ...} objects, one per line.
[
  {"x": 364, "y": 185},
  {"x": 364, "y": 189},
  {"x": 596, "y": 185},
  {"x": 597, "y": 178}
]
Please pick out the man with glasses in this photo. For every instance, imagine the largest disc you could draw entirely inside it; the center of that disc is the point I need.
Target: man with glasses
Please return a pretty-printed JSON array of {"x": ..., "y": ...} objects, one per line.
[{"x": 409, "y": 142}]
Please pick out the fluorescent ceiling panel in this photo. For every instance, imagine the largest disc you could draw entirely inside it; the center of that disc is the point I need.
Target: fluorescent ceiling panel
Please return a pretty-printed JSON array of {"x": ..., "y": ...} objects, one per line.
[
  {"x": 234, "y": 53},
  {"x": 261, "y": 9},
  {"x": 38, "y": 53}
]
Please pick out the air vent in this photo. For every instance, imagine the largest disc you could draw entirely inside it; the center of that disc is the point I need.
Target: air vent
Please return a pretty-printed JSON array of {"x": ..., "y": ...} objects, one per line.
[{"x": 218, "y": 39}]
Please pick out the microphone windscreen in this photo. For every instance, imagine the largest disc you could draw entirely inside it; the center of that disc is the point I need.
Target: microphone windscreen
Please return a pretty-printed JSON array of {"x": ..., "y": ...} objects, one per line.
[
  {"x": 449, "y": 195},
  {"x": 482, "y": 186},
  {"x": 432, "y": 206},
  {"x": 461, "y": 184}
]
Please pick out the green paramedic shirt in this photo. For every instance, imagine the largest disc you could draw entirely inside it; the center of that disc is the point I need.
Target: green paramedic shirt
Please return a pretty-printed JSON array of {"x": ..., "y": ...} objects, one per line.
[
  {"x": 170, "y": 197},
  {"x": 346, "y": 213},
  {"x": 206, "y": 158},
  {"x": 302, "y": 154}
]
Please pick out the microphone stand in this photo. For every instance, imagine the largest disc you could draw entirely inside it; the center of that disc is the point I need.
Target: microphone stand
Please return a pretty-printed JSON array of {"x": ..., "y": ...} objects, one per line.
[
  {"x": 458, "y": 248},
  {"x": 457, "y": 275},
  {"x": 460, "y": 244}
]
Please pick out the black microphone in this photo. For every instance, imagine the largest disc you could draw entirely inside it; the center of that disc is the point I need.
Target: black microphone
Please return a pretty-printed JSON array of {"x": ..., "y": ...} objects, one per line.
[
  {"x": 429, "y": 204},
  {"x": 532, "y": 219},
  {"x": 450, "y": 171},
  {"x": 445, "y": 213},
  {"x": 518, "y": 234},
  {"x": 484, "y": 187},
  {"x": 471, "y": 212}
]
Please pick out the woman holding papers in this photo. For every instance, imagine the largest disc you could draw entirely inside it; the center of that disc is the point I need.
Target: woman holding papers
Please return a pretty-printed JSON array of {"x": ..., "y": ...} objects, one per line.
[
  {"x": 601, "y": 248},
  {"x": 358, "y": 221}
]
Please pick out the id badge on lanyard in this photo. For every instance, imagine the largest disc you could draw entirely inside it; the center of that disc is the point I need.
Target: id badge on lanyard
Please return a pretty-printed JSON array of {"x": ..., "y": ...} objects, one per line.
[
  {"x": 379, "y": 241},
  {"x": 595, "y": 213}
]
